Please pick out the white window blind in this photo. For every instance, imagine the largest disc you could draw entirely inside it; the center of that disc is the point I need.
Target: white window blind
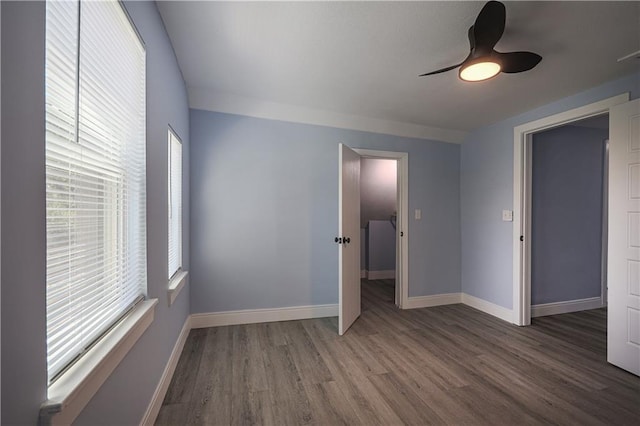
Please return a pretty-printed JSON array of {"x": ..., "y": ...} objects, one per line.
[
  {"x": 175, "y": 204},
  {"x": 95, "y": 174}
]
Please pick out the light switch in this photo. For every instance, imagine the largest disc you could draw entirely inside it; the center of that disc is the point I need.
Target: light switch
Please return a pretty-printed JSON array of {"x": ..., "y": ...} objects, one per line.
[
  {"x": 507, "y": 215},
  {"x": 418, "y": 214}
]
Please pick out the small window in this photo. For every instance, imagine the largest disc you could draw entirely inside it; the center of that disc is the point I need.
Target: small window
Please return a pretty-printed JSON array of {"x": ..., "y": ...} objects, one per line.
[{"x": 175, "y": 204}]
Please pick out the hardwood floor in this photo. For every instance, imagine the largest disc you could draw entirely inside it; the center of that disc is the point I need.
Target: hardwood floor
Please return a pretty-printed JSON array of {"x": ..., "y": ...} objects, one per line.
[{"x": 445, "y": 365}]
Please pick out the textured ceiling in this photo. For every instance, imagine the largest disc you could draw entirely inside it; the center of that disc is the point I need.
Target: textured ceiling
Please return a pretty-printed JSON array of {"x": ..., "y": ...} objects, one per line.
[{"x": 363, "y": 58}]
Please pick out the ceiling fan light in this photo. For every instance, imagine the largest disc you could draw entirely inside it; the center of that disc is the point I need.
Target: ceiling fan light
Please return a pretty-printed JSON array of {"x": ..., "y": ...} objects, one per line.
[{"x": 479, "y": 71}]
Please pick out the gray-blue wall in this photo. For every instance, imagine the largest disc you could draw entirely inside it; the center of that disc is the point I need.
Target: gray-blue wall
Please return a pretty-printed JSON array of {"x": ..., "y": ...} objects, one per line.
[
  {"x": 566, "y": 214},
  {"x": 378, "y": 189},
  {"x": 381, "y": 246},
  {"x": 265, "y": 207},
  {"x": 125, "y": 396},
  {"x": 487, "y": 188}
]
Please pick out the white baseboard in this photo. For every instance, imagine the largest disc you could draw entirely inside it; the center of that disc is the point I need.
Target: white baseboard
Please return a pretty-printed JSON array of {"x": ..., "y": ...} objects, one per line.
[
  {"x": 153, "y": 409},
  {"x": 452, "y": 298},
  {"x": 488, "y": 307},
  {"x": 434, "y": 300},
  {"x": 381, "y": 275},
  {"x": 565, "y": 307},
  {"x": 251, "y": 316}
]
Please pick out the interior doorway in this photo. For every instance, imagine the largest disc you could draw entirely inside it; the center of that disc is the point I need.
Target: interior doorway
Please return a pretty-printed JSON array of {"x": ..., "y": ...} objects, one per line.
[
  {"x": 568, "y": 217},
  {"x": 387, "y": 219},
  {"x": 348, "y": 238},
  {"x": 522, "y": 238},
  {"x": 622, "y": 218},
  {"x": 378, "y": 227}
]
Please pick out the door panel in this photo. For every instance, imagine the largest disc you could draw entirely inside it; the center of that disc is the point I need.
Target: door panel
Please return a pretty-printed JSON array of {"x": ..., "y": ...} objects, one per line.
[
  {"x": 349, "y": 231},
  {"x": 623, "y": 328}
]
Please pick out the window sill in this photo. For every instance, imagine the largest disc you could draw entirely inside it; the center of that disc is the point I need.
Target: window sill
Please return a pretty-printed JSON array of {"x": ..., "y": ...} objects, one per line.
[
  {"x": 175, "y": 285},
  {"x": 68, "y": 395}
]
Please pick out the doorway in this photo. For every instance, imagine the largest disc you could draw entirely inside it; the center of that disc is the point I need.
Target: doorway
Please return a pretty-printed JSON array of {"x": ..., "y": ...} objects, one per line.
[
  {"x": 622, "y": 217},
  {"x": 400, "y": 221},
  {"x": 378, "y": 227},
  {"x": 348, "y": 239},
  {"x": 568, "y": 217},
  {"x": 523, "y": 136}
]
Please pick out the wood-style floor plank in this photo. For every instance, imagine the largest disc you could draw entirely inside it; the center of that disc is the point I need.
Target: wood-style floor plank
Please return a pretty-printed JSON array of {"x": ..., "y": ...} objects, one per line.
[
  {"x": 211, "y": 401},
  {"x": 182, "y": 383},
  {"x": 289, "y": 399},
  {"x": 442, "y": 365}
]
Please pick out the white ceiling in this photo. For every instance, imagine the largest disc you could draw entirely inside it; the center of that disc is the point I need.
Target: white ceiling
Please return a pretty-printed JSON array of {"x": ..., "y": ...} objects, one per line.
[{"x": 346, "y": 59}]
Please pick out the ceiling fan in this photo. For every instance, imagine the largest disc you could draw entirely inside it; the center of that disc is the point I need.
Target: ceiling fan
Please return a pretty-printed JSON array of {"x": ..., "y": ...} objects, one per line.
[{"x": 483, "y": 61}]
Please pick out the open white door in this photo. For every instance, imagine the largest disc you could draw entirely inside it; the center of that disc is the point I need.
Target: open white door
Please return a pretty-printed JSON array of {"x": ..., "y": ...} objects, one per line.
[
  {"x": 348, "y": 238},
  {"x": 623, "y": 277}
]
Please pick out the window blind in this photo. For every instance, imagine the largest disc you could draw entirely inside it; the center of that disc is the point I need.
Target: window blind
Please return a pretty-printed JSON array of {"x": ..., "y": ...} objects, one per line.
[
  {"x": 95, "y": 174},
  {"x": 175, "y": 204}
]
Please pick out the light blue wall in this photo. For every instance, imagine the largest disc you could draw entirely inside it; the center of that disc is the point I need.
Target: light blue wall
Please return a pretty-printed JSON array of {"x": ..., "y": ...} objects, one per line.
[
  {"x": 566, "y": 214},
  {"x": 487, "y": 188},
  {"x": 125, "y": 396},
  {"x": 265, "y": 204},
  {"x": 24, "y": 368},
  {"x": 381, "y": 246}
]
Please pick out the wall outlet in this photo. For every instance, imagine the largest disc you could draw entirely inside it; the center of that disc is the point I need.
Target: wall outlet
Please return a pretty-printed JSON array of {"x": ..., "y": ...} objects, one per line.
[
  {"x": 507, "y": 215},
  {"x": 418, "y": 214}
]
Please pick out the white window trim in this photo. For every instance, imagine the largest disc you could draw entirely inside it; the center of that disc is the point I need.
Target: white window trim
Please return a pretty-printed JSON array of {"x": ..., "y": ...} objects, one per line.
[
  {"x": 71, "y": 392},
  {"x": 176, "y": 283}
]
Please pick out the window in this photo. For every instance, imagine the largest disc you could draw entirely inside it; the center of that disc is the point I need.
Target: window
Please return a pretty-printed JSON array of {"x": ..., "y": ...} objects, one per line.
[
  {"x": 95, "y": 174},
  {"x": 175, "y": 204}
]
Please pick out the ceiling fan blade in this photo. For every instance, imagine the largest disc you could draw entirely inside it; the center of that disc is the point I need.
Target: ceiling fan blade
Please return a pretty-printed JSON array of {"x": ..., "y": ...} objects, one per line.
[
  {"x": 513, "y": 62},
  {"x": 489, "y": 25},
  {"x": 441, "y": 70}
]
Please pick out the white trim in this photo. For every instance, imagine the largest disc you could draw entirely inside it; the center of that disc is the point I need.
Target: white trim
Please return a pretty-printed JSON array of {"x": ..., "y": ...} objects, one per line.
[
  {"x": 565, "y": 307},
  {"x": 497, "y": 311},
  {"x": 605, "y": 226},
  {"x": 522, "y": 194},
  {"x": 402, "y": 225},
  {"x": 487, "y": 307},
  {"x": 417, "y": 302},
  {"x": 153, "y": 409},
  {"x": 211, "y": 100},
  {"x": 70, "y": 393},
  {"x": 254, "y": 316},
  {"x": 381, "y": 275},
  {"x": 175, "y": 285}
]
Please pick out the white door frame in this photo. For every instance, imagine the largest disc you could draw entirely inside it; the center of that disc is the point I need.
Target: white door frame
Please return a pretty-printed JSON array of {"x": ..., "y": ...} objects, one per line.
[
  {"x": 522, "y": 136},
  {"x": 605, "y": 225},
  {"x": 402, "y": 242}
]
